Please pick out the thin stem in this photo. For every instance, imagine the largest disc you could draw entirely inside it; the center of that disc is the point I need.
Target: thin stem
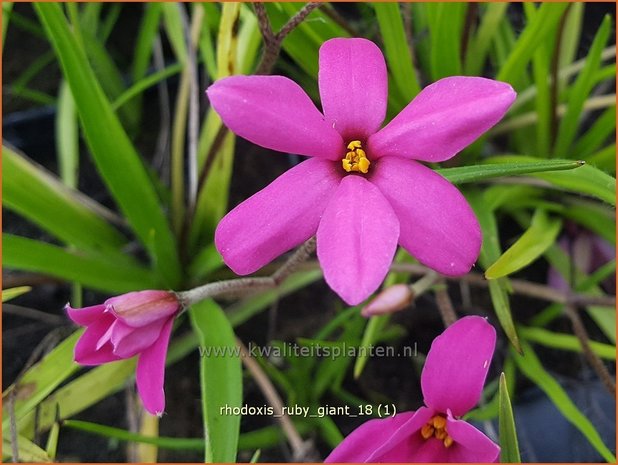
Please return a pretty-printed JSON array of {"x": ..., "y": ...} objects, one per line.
[
  {"x": 593, "y": 359},
  {"x": 301, "y": 255},
  {"x": 445, "y": 305},
  {"x": 299, "y": 447}
]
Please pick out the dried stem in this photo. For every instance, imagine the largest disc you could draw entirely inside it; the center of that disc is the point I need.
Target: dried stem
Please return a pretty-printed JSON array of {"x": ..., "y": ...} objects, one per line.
[
  {"x": 445, "y": 305},
  {"x": 272, "y": 41},
  {"x": 593, "y": 359},
  {"x": 299, "y": 447}
]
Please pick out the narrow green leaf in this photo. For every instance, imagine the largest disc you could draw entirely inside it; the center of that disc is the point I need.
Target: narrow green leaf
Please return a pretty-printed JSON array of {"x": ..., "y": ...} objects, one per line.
[
  {"x": 40, "y": 380},
  {"x": 509, "y": 448},
  {"x": 597, "y": 135},
  {"x": 7, "y": 8},
  {"x": 473, "y": 173},
  {"x": 114, "y": 154},
  {"x": 108, "y": 275},
  {"x": 586, "y": 180},
  {"x": 542, "y": 233},
  {"x": 481, "y": 42},
  {"x": 27, "y": 450},
  {"x": 221, "y": 381},
  {"x": 67, "y": 137},
  {"x": 124, "y": 435},
  {"x": 174, "y": 29},
  {"x": 580, "y": 91},
  {"x": 51, "y": 446},
  {"x": 531, "y": 367},
  {"x": 536, "y": 31},
  {"x": 14, "y": 292},
  {"x": 445, "y": 29},
  {"x": 396, "y": 49},
  {"x": 40, "y": 197},
  {"x": 490, "y": 251},
  {"x": 565, "y": 341}
]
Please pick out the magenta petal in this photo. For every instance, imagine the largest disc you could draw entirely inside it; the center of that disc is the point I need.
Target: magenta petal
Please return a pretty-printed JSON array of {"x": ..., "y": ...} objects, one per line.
[
  {"x": 278, "y": 218},
  {"x": 142, "y": 308},
  {"x": 85, "y": 316},
  {"x": 375, "y": 435},
  {"x": 357, "y": 239},
  {"x": 129, "y": 341},
  {"x": 86, "y": 351},
  {"x": 457, "y": 364},
  {"x": 150, "y": 372},
  {"x": 353, "y": 86},
  {"x": 444, "y": 118},
  {"x": 470, "y": 445},
  {"x": 438, "y": 227},
  {"x": 274, "y": 112}
]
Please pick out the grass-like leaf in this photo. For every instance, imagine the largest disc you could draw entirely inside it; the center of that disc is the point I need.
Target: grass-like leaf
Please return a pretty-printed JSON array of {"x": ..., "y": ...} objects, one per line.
[
  {"x": 509, "y": 448},
  {"x": 533, "y": 242},
  {"x": 531, "y": 367},
  {"x": 114, "y": 154},
  {"x": 220, "y": 379}
]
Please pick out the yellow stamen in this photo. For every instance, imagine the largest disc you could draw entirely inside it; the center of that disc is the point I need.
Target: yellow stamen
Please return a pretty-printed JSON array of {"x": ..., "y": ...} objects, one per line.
[
  {"x": 436, "y": 427},
  {"x": 356, "y": 159}
]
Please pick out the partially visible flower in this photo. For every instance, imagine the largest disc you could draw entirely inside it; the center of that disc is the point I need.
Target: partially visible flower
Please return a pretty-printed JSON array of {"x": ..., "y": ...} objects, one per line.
[
  {"x": 452, "y": 381},
  {"x": 137, "y": 323},
  {"x": 364, "y": 191}
]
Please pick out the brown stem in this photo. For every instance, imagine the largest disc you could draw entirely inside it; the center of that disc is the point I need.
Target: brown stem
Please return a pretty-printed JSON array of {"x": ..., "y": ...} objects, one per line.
[
  {"x": 299, "y": 447},
  {"x": 593, "y": 359},
  {"x": 445, "y": 305}
]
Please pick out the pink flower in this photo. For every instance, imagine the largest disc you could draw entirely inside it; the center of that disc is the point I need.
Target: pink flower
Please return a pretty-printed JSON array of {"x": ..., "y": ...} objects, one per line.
[
  {"x": 364, "y": 190},
  {"x": 137, "y": 323},
  {"x": 452, "y": 381}
]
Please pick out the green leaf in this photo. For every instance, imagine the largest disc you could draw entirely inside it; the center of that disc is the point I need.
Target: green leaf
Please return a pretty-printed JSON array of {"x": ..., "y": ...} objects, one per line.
[
  {"x": 221, "y": 381},
  {"x": 95, "y": 272},
  {"x": 563, "y": 341},
  {"x": 27, "y": 450},
  {"x": 542, "y": 233},
  {"x": 531, "y": 367},
  {"x": 597, "y": 135},
  {"x": 67, "y": 137},
  {"x": 41, "y": 198},
  {"x": 535, "y": 32},
  {"x": 481, "y": 42},
  {"x": 586, "y": 180},
  {"x": 509, "y": 448},
  {"x": 40, "y": 380},
  {"x": 473, "y": 173},
  {"x": 114, "y": 154},
  {"x": 580, "y": 92},
  {"x": 14, "y": 292},
  {"x": 490, "y": 251},
  {"x": 396, "y": 49},
  {"x": 445, "y": 22}
]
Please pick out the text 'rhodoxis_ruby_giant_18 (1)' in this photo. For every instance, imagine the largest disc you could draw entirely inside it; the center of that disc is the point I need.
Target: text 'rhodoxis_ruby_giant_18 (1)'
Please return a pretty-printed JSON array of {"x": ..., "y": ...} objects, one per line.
[
  {"x": 452, "y": 381},
  {"x": 364, "y": 190}
]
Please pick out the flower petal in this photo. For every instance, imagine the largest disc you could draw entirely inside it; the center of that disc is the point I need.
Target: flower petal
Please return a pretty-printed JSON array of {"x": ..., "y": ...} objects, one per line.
[
  {"x": 353, "y": 86},
  {"x": 438, "y": 227},
  {"x": 141, "y": 308},
  {"x": 150, "y": 372},
  {"x": 85, "y": 316},
  {"x": 274, "y": 112},
  {"x": 357, "y": 239},
  {"x": 86, "y": 351},
  {"x": 129, "y": 341},
  {"x": 443, "y": 119},
  {"x": 457, "y": 364},
  {"x": 362, "y": 444},
  {"x": 278, "y": 218},
  {"x": 470, "y": 445}
]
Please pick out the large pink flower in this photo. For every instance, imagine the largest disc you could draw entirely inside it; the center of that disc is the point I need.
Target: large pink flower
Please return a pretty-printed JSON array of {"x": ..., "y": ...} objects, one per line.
[
  {"x": 137, "y": 323},
  {"x": 364, "y": 191},
  {"x": 452, "y": 381}
]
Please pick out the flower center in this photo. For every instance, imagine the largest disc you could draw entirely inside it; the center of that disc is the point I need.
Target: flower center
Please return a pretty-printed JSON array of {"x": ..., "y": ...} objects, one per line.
[
  {"x": 356, "y": 158},
  {"x": 436, "y": 427}
]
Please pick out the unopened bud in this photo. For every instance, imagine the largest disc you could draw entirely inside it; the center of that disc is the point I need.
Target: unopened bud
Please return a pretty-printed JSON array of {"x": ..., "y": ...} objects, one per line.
[{"x": 390, "y": 300}]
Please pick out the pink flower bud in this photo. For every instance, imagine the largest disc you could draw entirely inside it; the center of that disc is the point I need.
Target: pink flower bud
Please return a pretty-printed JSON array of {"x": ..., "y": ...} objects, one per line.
[{"x": 390, "y": 300}]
